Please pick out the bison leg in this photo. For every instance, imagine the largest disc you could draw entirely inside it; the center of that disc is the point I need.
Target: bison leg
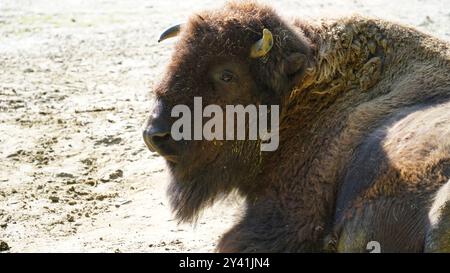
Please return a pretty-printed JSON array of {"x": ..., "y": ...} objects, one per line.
[
  {"x": 268, "y": 228},
  {"x": 242, "y": 239},
  {"x": 237, "y": 239},
  {"x": 438, "y": 235},
  {"x": 247, "y": 238}
]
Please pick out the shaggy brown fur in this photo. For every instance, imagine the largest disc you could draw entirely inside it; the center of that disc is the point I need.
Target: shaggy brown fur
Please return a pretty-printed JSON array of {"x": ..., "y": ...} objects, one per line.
[{"x": 364, "y": 149}]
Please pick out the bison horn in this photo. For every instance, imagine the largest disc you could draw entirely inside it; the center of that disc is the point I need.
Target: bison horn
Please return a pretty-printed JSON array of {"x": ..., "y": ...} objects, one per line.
[
  {"x": 170, "y": 32},
  {"x": 263, "y": 46}
]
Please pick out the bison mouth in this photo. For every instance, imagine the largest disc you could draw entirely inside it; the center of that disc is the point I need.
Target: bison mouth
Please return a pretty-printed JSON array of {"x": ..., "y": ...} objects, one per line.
[{"x": 172, "y": 159}]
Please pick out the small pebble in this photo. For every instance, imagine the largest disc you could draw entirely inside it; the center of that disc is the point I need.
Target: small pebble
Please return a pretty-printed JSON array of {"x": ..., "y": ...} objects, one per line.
[{"x": 4, "y": 246}]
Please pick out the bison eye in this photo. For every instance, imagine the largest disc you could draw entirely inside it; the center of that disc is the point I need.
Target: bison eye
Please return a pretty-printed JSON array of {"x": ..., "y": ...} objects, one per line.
[{"x": 227, "y": 76}]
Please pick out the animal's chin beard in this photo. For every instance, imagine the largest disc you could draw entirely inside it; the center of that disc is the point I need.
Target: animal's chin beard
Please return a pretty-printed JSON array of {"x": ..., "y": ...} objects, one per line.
[{"x": 189, "y": 197}]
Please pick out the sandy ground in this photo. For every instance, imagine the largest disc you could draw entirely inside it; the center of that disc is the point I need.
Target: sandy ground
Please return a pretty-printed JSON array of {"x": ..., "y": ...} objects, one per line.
[{"x": 75, "y": 88}]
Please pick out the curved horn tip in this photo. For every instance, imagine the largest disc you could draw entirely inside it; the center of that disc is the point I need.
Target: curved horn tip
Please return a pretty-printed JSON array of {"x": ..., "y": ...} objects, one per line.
[
  {"x": 170, "y": 32},
  {"x": 262, "y": 46}
]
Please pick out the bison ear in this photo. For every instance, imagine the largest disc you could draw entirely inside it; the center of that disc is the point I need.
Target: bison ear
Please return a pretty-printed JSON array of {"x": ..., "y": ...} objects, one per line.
[{"x": 294, "y": 64}]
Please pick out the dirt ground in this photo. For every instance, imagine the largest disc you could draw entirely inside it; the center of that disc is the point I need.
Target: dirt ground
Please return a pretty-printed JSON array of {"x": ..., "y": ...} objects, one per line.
[{"x": 75, "y": 88}]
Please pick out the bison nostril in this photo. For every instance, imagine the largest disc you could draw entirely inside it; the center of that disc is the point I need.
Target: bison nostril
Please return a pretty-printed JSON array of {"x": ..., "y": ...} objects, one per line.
[
  {"x": 159, "y": 140},
  {"x": 154, "y": 139}
]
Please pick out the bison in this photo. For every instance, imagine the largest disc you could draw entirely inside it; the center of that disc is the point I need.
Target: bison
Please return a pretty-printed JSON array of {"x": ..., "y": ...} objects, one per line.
[{"x": 364, "y": 133}]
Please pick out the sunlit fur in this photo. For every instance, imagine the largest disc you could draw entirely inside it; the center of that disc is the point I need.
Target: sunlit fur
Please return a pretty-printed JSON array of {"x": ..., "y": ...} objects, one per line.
[{"x": 348, "y": 168}]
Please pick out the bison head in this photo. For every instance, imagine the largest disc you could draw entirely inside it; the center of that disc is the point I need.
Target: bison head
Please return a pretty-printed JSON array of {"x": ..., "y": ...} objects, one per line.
[{"x": 241, "y": 54}]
